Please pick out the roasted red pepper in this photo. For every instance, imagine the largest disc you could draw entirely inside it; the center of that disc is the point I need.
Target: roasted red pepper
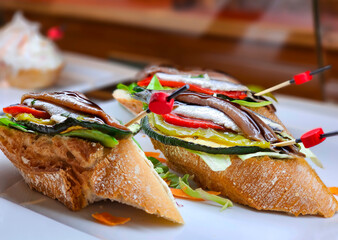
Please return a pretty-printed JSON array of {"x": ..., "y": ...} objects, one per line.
[
  {"x": 232, "y": 94},
  {"x": 20, "y": 108},
  {"x": 190, "y": 123}
]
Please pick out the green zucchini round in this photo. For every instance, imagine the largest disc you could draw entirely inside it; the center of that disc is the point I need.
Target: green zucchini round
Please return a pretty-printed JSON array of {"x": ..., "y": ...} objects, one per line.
[
  {"x": 69, "y": 122},
  {"x": 169, "y": 140}
]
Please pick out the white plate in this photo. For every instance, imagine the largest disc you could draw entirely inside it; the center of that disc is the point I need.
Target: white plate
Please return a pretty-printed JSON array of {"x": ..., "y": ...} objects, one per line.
[
  {"x": 203, "y": 220},
  {"x": 81, "y": 73}
]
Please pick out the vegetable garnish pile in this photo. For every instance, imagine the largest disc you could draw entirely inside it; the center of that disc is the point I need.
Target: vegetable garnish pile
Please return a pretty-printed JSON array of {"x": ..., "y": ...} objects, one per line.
[
  {"x": 65, "y": 113},
  {"x": 180, "y": 186}
]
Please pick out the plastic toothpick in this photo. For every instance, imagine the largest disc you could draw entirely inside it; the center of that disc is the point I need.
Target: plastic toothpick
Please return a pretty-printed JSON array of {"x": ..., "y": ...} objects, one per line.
[
  {"x": 309, "y": 139},
  {"x": 160, "y": 103},
  {"x": 297, "y": 79}
]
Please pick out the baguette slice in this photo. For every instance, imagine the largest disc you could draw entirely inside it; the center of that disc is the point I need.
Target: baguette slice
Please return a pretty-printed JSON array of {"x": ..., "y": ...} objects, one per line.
[
  {"x": 132, "y": 105},
  {"x": 78, "y": 172},
  {"x": 290, "y": 186}
]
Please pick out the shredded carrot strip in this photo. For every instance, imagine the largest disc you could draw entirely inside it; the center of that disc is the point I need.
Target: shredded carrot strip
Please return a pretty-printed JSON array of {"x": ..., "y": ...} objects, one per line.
[
  {"x": 156, "y": 155},
  {"x": 180, "y": 194},
  {"x": 334, "y": 190},
  {"x": 162, "y": 160},
  {"x": 108, "y": 219},
  {"x": 152, "y": 154}
]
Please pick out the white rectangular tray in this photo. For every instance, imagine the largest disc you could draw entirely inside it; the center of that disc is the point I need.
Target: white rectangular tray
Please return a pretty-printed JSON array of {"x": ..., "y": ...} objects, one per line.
[{"x": 203, "y": 220}]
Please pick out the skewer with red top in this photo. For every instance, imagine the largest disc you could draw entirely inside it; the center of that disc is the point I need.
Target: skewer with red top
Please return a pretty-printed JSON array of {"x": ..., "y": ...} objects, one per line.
[
  {"x": 309, "y": 139},
  {"x": 297, "y": 79},
  {"x": 160, "y": 103}
]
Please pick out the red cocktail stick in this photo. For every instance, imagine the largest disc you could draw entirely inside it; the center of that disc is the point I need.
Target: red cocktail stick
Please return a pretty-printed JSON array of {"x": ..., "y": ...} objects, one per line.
[
  {"x": 160, "y": 103},
  {"x": 297, "y": 79},
  {"x": 309, "y": 139}
]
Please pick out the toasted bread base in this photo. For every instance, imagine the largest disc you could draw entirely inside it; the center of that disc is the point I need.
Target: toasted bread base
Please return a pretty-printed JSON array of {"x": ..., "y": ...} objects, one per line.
[
  {"x": 290, "y": 186},
  {"x": 78, "y": 172}
]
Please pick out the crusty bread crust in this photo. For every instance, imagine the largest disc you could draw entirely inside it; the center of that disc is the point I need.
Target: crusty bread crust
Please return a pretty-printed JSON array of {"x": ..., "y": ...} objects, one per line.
[
  {"x": 290, "y": 186},
  {"x": 78, "y": 172},
  {"x": 263, "y": 183}
]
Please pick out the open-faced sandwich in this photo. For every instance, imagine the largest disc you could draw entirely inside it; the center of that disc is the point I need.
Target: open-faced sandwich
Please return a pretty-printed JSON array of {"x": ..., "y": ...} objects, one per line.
[
  {"x": 68, "y": 148},
  {"x": 223, "y": 135}
]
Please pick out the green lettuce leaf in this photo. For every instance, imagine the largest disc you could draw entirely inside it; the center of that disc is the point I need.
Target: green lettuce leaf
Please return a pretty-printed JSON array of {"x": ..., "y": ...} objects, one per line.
[
  {"x": 129, "y": 88},
  {"x": 252, "y": 104},
  {"x": 155, "y": 84},
  {"x": 260, "y": 154},
  {"x": 216, "y": 162},
  {"x": 256, "y": 89},
  {"x": 309, "y": 154},
  {"x": 200, "y": 193}
]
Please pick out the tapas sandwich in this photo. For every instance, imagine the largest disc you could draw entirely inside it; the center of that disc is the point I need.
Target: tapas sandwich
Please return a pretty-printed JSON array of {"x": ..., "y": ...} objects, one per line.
[
  {"x": 224, "y": 136},
  {"x": 68, "y": 148}
]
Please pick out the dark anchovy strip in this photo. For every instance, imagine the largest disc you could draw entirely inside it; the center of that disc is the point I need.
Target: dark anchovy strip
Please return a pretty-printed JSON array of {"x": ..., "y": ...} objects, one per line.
[
  {"x": 272, "y": 124},
  {"x": 206, "y": 113},
  {"x": 251, "y": 126},
  {"x": 268, "y": 133}
]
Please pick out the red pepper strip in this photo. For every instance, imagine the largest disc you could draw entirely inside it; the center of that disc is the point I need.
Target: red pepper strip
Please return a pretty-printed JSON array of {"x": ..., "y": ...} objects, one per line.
[
  {"x": 232, "y": 94},
  {"x": 19, "y": 108},
  {"x": 188, "y": 122}
]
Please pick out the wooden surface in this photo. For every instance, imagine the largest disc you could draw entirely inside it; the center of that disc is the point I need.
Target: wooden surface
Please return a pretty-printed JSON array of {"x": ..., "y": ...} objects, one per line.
[
  {"x": 145, "y": 37},
  {"x": 165, "y": 18}
]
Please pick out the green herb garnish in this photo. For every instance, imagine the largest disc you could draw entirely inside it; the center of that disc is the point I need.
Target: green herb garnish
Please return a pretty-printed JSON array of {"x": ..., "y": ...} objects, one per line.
[
  {"x": 129, "y": 88},
  {"x": 252, "y": 104},
  {"x": 198, "y": 76},
  {"x": 164, "y": 173},
  {"x": 183, "y": 183}
]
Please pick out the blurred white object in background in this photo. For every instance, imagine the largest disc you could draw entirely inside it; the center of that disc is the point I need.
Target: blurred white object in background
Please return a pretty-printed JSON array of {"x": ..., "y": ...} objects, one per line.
[{"x": 28, "y": 59}]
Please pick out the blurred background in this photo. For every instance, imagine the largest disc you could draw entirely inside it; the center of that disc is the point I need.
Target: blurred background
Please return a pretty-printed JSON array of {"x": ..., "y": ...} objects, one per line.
[{"x": 261, "y": 42}]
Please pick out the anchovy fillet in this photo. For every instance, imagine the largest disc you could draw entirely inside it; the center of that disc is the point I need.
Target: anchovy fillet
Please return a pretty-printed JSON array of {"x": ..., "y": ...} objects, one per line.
[
  {"x": 204, "y": 82},
  {"x": 207, "y": 113},
  {"x": 58, "y": 113},
  {"x": 272, "y": 124}
]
